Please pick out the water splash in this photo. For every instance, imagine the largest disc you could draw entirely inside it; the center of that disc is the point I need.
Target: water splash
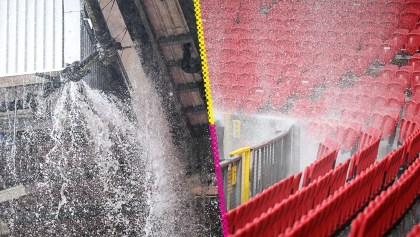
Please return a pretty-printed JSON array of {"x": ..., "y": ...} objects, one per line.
[{"x": 98, "y": 171}]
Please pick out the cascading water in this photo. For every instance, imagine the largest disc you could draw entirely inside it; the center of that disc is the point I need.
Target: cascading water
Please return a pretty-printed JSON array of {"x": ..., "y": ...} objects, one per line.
[{"x": 95, "y": 171}]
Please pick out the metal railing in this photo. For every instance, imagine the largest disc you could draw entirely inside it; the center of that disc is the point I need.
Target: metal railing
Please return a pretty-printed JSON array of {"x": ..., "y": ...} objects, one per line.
[{"x": 250, "y": 170}]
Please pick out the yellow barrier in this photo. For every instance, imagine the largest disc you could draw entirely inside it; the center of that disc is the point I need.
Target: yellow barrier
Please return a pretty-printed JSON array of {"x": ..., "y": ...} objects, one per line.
[{"x": 246, "y": 156}]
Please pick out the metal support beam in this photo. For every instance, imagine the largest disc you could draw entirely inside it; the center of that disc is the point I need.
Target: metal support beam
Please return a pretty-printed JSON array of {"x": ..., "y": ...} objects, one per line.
[{"x": 174, "y": 39}]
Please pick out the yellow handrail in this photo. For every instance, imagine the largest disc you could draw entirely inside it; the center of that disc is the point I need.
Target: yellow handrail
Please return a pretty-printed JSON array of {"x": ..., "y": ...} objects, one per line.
[{"x": 246, "y": 156}]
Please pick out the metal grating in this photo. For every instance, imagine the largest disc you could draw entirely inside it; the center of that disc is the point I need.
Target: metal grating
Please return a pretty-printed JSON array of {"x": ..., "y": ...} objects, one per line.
[{"x": 38, "y": 35}]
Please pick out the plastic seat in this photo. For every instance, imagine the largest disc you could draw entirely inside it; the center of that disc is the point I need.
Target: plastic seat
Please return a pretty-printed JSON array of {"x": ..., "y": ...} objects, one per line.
[
  {"x": 415, "y": 62},
  {"x": 415, "y": 81},
  {"x": 361, "y": 62},
  {"x": 229, "y": 104},
  {"x": 373, "y": 46},
  {"x": 387, "y": 52},
  {"x": 378, "y": 87},
  {"x": 406, "y": 129},
  {"x": 408, "y": 20},
  {"x": 412, "y": 108},
  {"x": 405, "y": 74},
  {"x": 388, "y": 126},
  {"x": 396, "y": 88},
  {"x": 413, "y": 42},
  {"x": 247, "y": 55},
  {"x": 400, "y": 37},
  {"x": 351, "y": 136},
  {"x": 227, "y": 79},
  {"x": 388, "y": 71}
]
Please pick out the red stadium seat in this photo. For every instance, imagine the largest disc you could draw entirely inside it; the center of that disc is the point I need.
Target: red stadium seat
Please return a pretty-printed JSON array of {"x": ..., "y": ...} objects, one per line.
[
  {"x": 408, "y": 21},
  {"x": 400, "y": 37},
  {"x": 373, "y": 46},
  {"x": 415, "y": 80},
  {"x": 413, "y": 42},
  {"x": 388, "y": 71},
  {"x": 387, "y": 52},
  {"x": 415, "y": 62},
  {"x": 405, "y": 74}
]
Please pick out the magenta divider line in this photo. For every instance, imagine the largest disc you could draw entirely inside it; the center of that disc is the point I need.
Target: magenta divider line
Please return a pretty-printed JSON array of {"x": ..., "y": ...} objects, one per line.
[{"x": 219, "y": 178}]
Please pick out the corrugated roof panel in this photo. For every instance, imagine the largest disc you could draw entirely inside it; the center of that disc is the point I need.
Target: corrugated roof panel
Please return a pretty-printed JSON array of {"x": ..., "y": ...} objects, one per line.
[{"x": 31, "y": 35}]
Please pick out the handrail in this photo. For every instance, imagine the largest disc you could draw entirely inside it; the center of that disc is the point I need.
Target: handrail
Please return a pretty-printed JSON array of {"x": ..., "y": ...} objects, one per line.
[
  {"x": 226, "y": 162},
  {"x": 237, "y": 156},
  {"x": 275, "y": 138},
  {"x": 246, "y": 171},
  {"x": 246, "y": 156}
]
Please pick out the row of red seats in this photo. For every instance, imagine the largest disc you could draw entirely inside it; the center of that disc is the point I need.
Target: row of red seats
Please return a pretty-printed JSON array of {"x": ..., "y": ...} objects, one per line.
[
  {"x": 410, "y": 15},
  {"x": 365, "y": 157},
  {"x": 327, "y": 147},
  {"x": 368, "y": 137},
  {"x": 413, "y": 146},
  {"x": 283, "y": 52},
  {"x": 407, "y": 40},
  {"x": 320, "y": 167},
  {"x": 285, "y": 213},
  {"x": 265, "y": 55},
  {"x": 364, "y": 103},
  {"x": 302, "y": 7},
  {"x": 380, "y": 86},
  {"x": 307, "y": 109},
  {"x": 345, "y": 134},
  {"x": 387, "y": 124},
  {"x": 344, "y": 203},
  {"x": 322, "y": 128},
  {"x": 409, "y": 125},
  {"x": 384, "y": 211},
  {"x": 234, "y": 56},
  {"x": 371, "y": 11},
  {"x": 290, "y": 29},
  {"x": 403, "y": 75},
  {"x": 338, "y": 208},
  {"x": 348, "y": 134},
  {"x": 243, "y": 214},
  {"x": 338, "y": 15}
]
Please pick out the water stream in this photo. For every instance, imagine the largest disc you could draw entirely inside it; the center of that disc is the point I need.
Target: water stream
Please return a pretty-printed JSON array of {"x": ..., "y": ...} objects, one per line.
[{"x": 96, "y": 171}]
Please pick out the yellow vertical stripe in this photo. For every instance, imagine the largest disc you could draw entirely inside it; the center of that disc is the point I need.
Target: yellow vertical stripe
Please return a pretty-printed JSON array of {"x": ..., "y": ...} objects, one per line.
[{"x": 204, "y": 65}]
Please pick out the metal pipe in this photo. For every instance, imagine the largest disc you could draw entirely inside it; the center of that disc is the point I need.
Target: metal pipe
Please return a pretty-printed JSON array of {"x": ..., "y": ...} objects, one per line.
[{"x": 107, "y": 49}]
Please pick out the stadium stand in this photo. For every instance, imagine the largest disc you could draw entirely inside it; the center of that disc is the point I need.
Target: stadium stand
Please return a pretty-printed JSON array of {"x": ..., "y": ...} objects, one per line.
[{"x": 353, "y": 80}]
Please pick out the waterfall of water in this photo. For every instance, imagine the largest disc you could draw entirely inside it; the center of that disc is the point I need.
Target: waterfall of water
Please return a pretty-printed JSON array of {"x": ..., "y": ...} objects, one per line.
[{"x": 96, "y": 171}]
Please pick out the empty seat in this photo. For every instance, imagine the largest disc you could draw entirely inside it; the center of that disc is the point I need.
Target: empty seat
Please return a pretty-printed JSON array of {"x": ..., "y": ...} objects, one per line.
[
  {"x": 408, "y": 20},
  {"x": 413, "y": 42},
  {"x": 400, "y": 37},
  {"x": 395, "y": 88},
  {"x": 412, "y": 108},
  {"x": 361, "y": 62},
  {"x": 387, "y": 52},
  {"x": 385, "y": 123},
  {"x": 415, "y": 81},
  {"x": 415, "y": 62},
  {"x": 388, "y": 71},
  {"x": 405, "y": 74}
]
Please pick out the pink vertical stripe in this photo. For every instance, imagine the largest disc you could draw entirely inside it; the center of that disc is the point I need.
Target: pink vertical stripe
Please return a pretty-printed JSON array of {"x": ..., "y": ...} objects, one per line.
[{"x": 218, "y": 172}]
